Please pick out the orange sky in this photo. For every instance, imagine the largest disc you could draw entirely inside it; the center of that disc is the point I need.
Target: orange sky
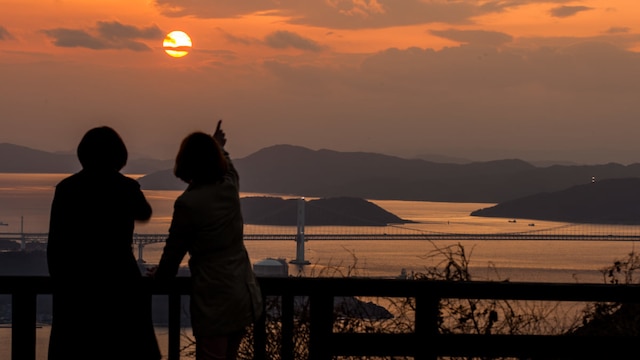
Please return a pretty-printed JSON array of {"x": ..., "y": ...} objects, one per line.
[{"x": 537, "y": 80}]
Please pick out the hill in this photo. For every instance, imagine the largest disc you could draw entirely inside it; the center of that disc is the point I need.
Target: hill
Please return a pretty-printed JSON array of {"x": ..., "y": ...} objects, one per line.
[
  {"x": 294, "y": 170},
  {"x": 298, "y": 171},
  {"x": 612, "y": 201},
  {"x": 20, "y": 159},
  {"x": 342, "y": 211}
]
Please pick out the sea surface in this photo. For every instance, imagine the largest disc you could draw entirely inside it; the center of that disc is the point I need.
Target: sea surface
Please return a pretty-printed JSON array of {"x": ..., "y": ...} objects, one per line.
[{"x": 25, "y": 200}]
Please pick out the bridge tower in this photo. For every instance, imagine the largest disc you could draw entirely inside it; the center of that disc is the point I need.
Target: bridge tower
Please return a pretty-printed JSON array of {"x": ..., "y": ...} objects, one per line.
[
  {"x": 300, "y": 240},
  {"x": 23, "y": 240},
  {"x": 140, "y": 251}
]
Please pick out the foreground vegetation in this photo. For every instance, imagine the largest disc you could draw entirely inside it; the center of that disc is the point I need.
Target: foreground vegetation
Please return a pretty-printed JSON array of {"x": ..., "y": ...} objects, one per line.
[{"x": 458, "y": 316}]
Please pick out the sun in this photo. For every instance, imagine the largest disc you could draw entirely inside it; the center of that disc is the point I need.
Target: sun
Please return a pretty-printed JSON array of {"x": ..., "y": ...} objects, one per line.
[{"x": 177, "y": 44}]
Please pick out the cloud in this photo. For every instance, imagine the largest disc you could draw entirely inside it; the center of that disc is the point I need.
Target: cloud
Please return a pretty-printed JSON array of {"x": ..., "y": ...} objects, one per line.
[
  {"x": 357, "y": 8},
  {"x": 75, "y": 38},
  {"x": 215, "y": 9},
  {"x": 115, "y": 30},
  {"x": 457, "y": 99},
  {"x": 618, "y": 30},
  {"x": 567, "y": 11},
  {"x": 286, "y": 39},
  {"x": 474, "y": 36},
  {"x": 281, "y": 39},
  {"x": 5, "y": 34},
  {"x": 106, "y": 35},
  {"x": 243, "y": 40},
  {"x": 343, "y": 14}
]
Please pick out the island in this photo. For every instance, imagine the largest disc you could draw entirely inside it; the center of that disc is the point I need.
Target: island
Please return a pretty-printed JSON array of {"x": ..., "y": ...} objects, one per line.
[{"x": 337, "y": 211}]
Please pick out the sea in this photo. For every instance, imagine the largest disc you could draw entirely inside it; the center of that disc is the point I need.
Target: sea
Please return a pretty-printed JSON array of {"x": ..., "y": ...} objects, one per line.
[{"x": 25, "y": 201}]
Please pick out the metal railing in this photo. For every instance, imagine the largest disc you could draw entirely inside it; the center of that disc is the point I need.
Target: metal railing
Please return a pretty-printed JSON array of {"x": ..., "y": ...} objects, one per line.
[{"x": 425, "y": 342}]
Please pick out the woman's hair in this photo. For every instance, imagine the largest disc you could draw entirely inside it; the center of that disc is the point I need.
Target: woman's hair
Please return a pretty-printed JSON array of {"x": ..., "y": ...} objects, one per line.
[
  {"x": 200, "y": 159},
  {"x": 102, "y": 148}
]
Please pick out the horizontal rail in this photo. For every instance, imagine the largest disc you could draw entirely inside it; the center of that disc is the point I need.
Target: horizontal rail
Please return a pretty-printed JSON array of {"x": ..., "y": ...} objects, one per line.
[
  {"x": 425, "y": 342},
  {"x": 145, "y": 239}
]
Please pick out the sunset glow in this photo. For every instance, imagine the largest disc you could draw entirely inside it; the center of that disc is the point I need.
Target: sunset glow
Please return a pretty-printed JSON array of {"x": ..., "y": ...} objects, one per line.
[{"x": 474, "y": 79}]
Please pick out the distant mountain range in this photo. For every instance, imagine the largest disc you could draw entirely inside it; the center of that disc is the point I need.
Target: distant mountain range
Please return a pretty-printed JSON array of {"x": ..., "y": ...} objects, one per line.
[
  {"x": 298, "y": 171},
  {"x": 20, "y": 159},
  {"x": 294, "y": 170}
]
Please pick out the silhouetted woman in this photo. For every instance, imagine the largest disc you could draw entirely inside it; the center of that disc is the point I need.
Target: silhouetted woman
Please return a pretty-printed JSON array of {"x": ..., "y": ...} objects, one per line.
[
  {"x": 99, "y": 310},
  {"x": 207, "y": 223}
]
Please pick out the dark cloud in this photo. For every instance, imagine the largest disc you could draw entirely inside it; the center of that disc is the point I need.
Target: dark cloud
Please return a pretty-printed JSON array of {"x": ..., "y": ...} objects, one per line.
[
  {"x": 115, "y": 31},
  {"x": 617, "y": 30},
  {"x": 343, "y": 14},
  {"x": 5, "y": 34},
  {"x": 567, "y": 11},
  {"x": 75, "y": 38},
  {"x": 108, "y": 35},
  {"x": 604, "y": 67},
  {"x": 620, "y": 40},
  {"x": 287, "y": 39},
  {"x": 278, "y": 40},
  {"x": 474, "y": 36},
  {"x": 223, "y": 54},
  {"x": 216, "y": 9},
  {"x": 243, "y": 40}
]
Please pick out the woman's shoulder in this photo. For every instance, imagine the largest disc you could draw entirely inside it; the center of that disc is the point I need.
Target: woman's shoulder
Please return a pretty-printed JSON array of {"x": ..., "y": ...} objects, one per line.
[
  {"x": 98, "y": 178},
  {"x": 206, "y": 192},
  {"x": 128, "y": 180},
  {"x": 70, "y": 181}
]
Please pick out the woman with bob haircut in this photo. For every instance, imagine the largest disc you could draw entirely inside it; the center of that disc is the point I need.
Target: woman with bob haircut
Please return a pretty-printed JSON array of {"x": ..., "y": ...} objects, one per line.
[
  {"x": 99, "y": 308},
  {"x": 207, "y": 223}
]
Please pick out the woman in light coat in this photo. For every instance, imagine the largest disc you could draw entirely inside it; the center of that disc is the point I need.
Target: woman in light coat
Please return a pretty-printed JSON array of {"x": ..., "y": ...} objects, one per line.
[{"x": 207, "y": 223}]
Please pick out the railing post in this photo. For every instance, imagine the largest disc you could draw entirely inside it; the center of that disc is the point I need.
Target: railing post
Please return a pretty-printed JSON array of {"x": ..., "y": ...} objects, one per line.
[
  {"x": 320, "y": 326},
  {"x": 174, "y": 325},
  {"x": 288, "y": 314},
  {"x": 260, "y": 334},
  {"x": 426, "y": 325},
  {"x": 23, "y": 326}
]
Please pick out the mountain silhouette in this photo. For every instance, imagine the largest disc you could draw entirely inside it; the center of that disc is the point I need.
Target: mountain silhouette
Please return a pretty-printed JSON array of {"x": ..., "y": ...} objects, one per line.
[
  {"x": 21, "y": 159},
  {"x": 298, "y": 171},
  {"x": 294, "y": 170}
]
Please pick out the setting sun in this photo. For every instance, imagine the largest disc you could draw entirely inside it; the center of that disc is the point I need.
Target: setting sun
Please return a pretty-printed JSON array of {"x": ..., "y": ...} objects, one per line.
[{"x": 177, "y": 44}]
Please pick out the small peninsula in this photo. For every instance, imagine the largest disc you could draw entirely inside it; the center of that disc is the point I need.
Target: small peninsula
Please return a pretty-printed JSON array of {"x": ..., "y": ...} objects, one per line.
[{"x": 610, "y": 201}]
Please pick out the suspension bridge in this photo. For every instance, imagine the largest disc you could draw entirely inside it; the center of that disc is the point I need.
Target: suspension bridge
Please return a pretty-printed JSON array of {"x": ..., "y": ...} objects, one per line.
[
  {"x": 484, "y": 229},
  {"x": 299, "y": 234},
  {"x": 566, "y": 232}
]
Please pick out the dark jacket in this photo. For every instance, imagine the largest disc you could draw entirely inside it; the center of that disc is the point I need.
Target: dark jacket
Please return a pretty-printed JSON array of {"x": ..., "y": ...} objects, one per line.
[{"x": 99, "y": 309}]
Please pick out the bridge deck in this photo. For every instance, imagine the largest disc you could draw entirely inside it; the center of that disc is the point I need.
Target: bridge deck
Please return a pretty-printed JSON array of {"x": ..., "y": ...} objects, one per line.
[{"x": 144, "y": 239}]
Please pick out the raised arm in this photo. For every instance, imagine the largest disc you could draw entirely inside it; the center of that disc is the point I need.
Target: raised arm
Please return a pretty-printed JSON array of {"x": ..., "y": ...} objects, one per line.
[{"x": 220, "y": 136}]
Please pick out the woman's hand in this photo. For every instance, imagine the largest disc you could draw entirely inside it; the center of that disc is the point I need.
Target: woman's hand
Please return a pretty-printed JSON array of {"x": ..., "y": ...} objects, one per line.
[
  {"x": 151, "y": 272},
  {"x": 219, "y": 134}
]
